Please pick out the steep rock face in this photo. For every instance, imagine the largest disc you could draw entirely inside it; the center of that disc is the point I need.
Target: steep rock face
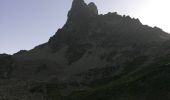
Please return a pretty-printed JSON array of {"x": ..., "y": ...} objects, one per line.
[
  {"x": 76, "y": 28},
  {"x": 90, "y": 50},
  {"x": 80, "y": 14},
  {"x": 93, "y": 8}
]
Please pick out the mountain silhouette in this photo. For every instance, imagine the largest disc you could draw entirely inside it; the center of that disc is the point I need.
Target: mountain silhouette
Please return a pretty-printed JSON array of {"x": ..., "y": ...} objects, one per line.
[{"x": 92, "y": 57}]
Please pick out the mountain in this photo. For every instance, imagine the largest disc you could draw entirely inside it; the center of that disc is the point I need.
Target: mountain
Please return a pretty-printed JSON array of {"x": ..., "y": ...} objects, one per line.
[{"x": 92, "y": 57}]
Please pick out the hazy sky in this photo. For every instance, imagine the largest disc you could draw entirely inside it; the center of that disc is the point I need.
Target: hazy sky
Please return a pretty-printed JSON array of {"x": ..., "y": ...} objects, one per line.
[{"x": 27, "y": 23}]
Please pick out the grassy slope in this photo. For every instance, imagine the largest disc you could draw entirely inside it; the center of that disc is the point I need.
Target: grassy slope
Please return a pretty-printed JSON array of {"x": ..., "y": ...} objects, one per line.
[{"x": 150, "y": 83}]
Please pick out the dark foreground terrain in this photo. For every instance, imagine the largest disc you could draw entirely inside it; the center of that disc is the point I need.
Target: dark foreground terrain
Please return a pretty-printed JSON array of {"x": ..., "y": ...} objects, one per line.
[{"x": 92, "y": 57}]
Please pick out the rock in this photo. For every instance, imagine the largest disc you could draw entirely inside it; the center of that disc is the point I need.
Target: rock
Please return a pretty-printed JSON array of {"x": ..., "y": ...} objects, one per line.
[{"x": 93, "y": 8}]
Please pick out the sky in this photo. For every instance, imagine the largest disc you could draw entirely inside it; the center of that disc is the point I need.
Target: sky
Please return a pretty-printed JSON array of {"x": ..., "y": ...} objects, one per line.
[{"x": 25, "y": 24}]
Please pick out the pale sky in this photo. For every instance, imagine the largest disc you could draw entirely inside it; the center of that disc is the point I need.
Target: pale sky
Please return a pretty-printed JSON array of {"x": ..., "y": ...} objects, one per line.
[{"x": 25, "y": 24}]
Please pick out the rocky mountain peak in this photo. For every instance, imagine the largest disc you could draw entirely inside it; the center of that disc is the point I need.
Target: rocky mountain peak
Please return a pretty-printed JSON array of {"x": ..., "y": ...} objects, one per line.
[
  {"x": 78, "y": 4},
  {"x": 92, "y": 7},
  {"x": 80, "y": 12}
]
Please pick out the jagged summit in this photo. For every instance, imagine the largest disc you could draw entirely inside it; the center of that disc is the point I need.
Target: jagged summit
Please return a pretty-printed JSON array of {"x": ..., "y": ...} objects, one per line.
[
  {"x": 84, "y": 24},
  {"x": 80, "y": 5},
  {"x": 93, "y": 8},
  {"x": 80, "y": 8},
  {"x": 80, "y": 12}
]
